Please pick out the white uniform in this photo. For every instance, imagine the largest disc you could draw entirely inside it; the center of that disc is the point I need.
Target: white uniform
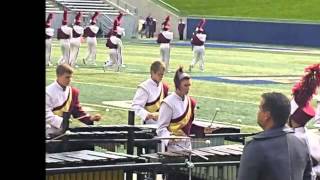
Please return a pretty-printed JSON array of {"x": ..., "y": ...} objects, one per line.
[
  {"x": 165, "y": 49},
  {"x": 55, "y": 96},
  {"x": 172, "y": 107},
  {"x": 147, "y": 92},
  {"x": 198, "y": 52},
  {"x": 317, "y": 116},
  {"x": 75, "y": 43},
  {"x": 49, "y": 34},
  {"x": 121, "y": 32},
  {"x": 92, "y": 45},
  {"x": 65, "y": 45},
  {"x": 313, "y": 142},
  {"x": 114, "y": 54}
]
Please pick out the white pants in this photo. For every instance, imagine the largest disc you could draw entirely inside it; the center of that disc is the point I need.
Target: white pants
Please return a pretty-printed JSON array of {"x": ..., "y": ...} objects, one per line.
[
  {"x": 121, "y": 61},
  {"x": 198, "y": 56},
  {"x": 74, "y": 50},
  {"x": 48, "y": 51},
  {"x": 65, "y": 49},
  {"x": 114, "y": 59},
  {"x": 92, "y": 49},
  {"x": 165, "y": 55}
]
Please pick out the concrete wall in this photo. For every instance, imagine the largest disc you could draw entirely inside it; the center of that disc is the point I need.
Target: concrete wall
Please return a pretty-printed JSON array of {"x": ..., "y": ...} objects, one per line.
[{"x": 277, "y": 33}]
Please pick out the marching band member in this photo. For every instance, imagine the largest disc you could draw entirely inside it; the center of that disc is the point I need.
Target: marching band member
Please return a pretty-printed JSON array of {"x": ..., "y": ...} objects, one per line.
[
  {"x": 177, "y": 113},
  {"x": 62, "y": 98},
  {"x": 75, "y": 40},
  {"x": 120, "y": 34},
  {"x": 317, "y": 116},
  {"x": 90, "y": 33},
  {"x": 49, "y": 34},
  {"x": 64, "y": 35},
  {"x": 114, "y": 43},
  {"x": 302, "y": 111},
  {"x": 150, "y": 94},
  {"x": 164, "y": 39},
  {"x": 197, "y": 41}
]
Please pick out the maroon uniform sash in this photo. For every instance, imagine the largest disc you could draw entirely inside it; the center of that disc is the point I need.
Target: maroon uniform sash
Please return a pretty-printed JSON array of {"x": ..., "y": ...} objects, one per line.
[
  {"x": 88, "y": 32},
  {"x": 75, "y": 34},
  {"x": 110, "y": 45},
  {"x": 162, "y": 39},
  {"x": 196, "y": 41},
  {"x": 62, "y": 35}
]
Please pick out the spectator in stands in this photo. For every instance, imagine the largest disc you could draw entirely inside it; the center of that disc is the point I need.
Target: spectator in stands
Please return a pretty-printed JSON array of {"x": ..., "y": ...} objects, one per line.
[
  {"x": 164, "y": 39},
  {"x": 181, "y": 27},
  {"x": 75, "y": 41},
  {"x": 177, "y": 113},
  {"x": 64, "y": 35},
  {"x": 152, "y": 27},
  {"x": 90, "y": 33},
  {"x": 274, "y": 153},
  {"x": 198, "y": 39},
  {"x": 148, "y": 24},
  {"x": 150, "y": 94},
  {"x": 302, "y": 111},
  {"x": 49, "y": 34},
  {"x": 62, "y": 98}
]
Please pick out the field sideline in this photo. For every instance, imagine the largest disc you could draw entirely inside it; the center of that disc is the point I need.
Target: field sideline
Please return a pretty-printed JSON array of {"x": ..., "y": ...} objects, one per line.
[{"x": 238, "y": 102}]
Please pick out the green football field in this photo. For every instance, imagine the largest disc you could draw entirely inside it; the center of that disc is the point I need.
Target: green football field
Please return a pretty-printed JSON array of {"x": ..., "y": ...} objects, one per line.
[
  {"x": 238, "y": 102},
  {"x": 262, "y": 9}
]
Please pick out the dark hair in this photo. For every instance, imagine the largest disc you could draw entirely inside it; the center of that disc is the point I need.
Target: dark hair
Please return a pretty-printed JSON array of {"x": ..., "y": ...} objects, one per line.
[
  {"x": 157, "y": 66},
  {"x": 64, "y": 68},
  {"x": 279, "y": 107},
  {"x": 177, "y": 79}
]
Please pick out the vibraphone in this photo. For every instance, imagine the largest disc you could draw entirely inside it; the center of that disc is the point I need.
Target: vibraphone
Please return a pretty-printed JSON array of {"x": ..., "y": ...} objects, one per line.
[
  {"x": 222, "y": 164},
  {"x": 84, "y": 161}
]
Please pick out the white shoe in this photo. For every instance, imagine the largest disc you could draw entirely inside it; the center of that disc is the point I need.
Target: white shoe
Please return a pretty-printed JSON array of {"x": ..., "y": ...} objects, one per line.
[
  {"x": 123, "y": 65},
  {"x": 94, "y": 64},
  {"x": 49, "y": 64}
]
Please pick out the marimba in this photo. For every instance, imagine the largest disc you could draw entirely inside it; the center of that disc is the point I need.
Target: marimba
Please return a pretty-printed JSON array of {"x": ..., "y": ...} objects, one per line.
[
  {"x": 83, "y": 163},
  {"x": 202, "y": 131},
  {"x": 223, "y": 162},
  {"x": 79, "y": 138}
]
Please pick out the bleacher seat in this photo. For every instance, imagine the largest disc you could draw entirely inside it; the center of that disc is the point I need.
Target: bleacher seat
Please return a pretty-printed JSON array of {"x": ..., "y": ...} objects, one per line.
[{"x": 87, "y": 6}]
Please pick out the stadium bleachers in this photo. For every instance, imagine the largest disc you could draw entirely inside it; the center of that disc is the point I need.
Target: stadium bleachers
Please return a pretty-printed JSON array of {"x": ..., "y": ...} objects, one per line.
[
  {"x": 51, "y": 7},
  {"x": 87, "y": 6}
]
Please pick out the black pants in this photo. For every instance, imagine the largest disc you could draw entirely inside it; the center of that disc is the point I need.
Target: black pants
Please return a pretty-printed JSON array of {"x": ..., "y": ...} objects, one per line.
[{"x": 181, "y": 36}]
